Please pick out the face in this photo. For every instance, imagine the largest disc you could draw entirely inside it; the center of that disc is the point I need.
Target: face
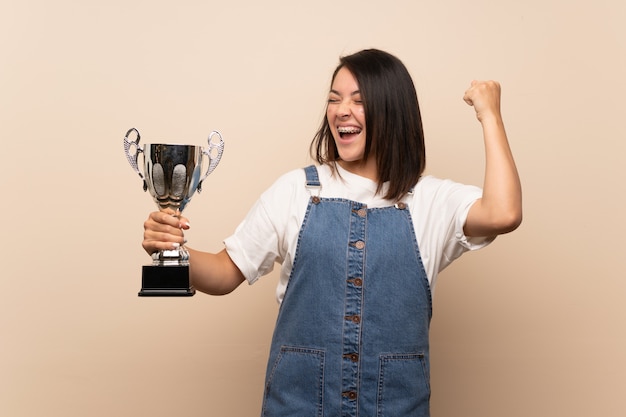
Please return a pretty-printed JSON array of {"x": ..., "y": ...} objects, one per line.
[{"x": 346, "y": 118}]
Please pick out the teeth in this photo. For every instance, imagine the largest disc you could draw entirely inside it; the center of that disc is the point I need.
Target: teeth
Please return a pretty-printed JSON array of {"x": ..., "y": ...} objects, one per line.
[{"x": 349, "y": 129}]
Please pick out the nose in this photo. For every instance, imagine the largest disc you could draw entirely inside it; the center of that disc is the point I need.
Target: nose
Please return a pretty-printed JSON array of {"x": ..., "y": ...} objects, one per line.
[{"x": 343, "y": 110}]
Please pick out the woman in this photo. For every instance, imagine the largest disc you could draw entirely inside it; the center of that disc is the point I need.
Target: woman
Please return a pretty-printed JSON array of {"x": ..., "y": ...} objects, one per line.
[{"x": 360, "y": 239}]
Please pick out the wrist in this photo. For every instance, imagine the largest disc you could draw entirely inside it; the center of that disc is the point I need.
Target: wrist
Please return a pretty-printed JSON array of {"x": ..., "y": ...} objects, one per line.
[{"x": 491, "y": 120}]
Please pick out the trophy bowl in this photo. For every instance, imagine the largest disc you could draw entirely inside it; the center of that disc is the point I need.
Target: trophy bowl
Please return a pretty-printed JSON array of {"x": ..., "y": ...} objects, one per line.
[{"x": 171, "y": 174}]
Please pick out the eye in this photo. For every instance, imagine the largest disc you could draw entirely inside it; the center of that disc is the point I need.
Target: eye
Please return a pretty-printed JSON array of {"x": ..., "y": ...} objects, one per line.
[{"x": 333, "y": 99}]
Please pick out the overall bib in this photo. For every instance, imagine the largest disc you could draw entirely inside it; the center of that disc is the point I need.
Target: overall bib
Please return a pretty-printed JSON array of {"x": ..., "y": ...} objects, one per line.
[{"x": 351, "y": 338}]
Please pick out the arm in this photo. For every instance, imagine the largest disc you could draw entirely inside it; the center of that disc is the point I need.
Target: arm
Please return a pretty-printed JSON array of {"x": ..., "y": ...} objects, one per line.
[
  {"x": 500, "y": 208},
  {"x": 214, "y": 274}
]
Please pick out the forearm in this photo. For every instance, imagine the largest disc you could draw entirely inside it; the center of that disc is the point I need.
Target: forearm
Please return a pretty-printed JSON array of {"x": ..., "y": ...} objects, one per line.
[
  {"x": 500, "y": 208},
  {"x": 214, "y": 274}
]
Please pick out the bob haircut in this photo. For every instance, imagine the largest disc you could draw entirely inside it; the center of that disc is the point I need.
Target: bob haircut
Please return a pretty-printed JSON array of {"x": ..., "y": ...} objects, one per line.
[{"x": 393, "y": 122}]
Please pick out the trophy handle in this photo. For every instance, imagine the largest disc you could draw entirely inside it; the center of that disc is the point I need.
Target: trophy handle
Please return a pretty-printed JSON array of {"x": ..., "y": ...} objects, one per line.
[
  {"x": 213, "y": 152},
  {"x": 132, "y": 158}
]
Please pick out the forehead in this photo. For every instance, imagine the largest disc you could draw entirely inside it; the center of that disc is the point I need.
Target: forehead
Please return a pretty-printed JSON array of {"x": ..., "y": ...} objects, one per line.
[{"x": 345, "y": 81}]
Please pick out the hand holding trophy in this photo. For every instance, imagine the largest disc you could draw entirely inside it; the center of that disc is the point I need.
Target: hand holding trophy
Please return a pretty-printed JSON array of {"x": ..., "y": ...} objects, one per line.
[{"x": 172, "y": 174}]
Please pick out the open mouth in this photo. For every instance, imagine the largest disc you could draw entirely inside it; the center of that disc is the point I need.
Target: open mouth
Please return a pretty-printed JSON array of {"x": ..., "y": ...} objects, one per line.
[{"x": 348, "y": 130}]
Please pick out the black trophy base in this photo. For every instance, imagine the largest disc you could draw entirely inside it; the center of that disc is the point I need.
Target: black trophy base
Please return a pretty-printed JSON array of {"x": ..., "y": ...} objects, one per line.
[{"x": 165, "y": 281}]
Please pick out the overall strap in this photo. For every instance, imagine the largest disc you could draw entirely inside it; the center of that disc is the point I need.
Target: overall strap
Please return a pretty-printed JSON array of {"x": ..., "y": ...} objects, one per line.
[{"x": 312, "y": 181}]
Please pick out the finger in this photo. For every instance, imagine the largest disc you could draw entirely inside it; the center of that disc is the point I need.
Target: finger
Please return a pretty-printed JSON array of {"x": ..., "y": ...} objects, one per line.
[
  {"x": 162, "y": 237},
  {"x": 469, "y": 93},
  {"x": 156, "y": 230},
  {"x": 163, "y": 231},
  {"x": 183, "y": 223},
  {"x": 166, "y": 217},
  {"x": 152, "y": 246},
  {"x": 467, "y": 97}
]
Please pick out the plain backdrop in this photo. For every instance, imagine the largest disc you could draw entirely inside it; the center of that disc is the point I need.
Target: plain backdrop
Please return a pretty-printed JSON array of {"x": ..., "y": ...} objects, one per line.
[{"x": 534, "y": 325}]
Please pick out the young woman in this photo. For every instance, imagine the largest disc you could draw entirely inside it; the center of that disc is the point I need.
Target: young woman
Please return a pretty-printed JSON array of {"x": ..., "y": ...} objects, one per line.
[{"x": 360, "y": 238}]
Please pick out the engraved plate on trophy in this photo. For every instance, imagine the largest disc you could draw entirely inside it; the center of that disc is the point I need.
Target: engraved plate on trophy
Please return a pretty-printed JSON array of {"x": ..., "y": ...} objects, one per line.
[{"x": 172, "y": 174}]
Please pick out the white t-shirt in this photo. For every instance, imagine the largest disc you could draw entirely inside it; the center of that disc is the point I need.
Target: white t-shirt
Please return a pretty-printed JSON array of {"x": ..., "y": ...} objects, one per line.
[{"x": 269, "y": 233}]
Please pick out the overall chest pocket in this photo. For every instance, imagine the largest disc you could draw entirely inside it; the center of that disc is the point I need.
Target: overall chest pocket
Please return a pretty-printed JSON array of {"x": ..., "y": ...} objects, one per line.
[
  {"x": 295, "y": 384},
  {"x": 403, "y": 385}
]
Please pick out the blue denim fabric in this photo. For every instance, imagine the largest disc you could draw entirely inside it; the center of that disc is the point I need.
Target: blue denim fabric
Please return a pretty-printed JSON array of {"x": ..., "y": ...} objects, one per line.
[{"x": 351, "y": 337}]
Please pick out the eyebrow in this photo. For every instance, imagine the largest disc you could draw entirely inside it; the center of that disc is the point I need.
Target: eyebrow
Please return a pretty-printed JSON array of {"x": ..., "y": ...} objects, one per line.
[{"x": 354, "y": 93}]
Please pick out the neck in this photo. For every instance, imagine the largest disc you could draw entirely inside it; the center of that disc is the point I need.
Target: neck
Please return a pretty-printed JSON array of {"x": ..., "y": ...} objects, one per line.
[{"x": 364, "y": 168}]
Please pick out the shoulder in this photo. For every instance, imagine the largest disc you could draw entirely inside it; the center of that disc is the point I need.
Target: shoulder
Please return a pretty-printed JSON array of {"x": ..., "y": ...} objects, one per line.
[
  {"x": 442, "y": 199},
  {"x": 437, "y": 188},
  {"x": 287, "y": 196},
  {"x": 291, "y": 178},
  {"x": 295, "y": 181}
]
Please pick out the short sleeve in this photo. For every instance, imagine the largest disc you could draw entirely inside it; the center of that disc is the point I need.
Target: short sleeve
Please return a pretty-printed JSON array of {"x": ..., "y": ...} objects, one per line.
[
  {"x": 253, "y": 246},
  {"x": 269, "y": 231},
  {"x": 439, "y": 210},
  {"x": 473, "y": 242}
]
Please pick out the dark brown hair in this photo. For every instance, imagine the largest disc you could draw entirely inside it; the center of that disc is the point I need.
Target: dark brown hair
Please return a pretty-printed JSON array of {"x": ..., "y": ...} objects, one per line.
[{"x": 393, "y": 121}]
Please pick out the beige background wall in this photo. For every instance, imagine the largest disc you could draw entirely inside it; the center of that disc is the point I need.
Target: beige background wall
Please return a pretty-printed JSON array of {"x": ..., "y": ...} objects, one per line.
[{"x": 532, "y": 326}]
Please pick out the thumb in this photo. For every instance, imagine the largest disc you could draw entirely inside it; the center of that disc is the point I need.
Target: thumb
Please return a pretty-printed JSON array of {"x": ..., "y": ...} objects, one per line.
[{"x": 467, "y": 97}]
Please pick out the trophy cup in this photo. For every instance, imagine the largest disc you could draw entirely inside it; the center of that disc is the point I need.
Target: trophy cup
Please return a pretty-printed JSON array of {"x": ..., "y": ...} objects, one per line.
[{"x": 172, "y": 174}]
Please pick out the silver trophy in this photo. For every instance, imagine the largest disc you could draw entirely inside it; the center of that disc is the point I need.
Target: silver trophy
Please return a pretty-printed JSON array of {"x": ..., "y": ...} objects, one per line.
[{"x": 172, "y": 174}]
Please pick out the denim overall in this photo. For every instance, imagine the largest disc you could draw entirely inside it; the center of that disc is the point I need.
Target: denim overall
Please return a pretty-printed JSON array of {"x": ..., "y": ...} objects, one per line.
[{"x": 351, "y": 338}]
